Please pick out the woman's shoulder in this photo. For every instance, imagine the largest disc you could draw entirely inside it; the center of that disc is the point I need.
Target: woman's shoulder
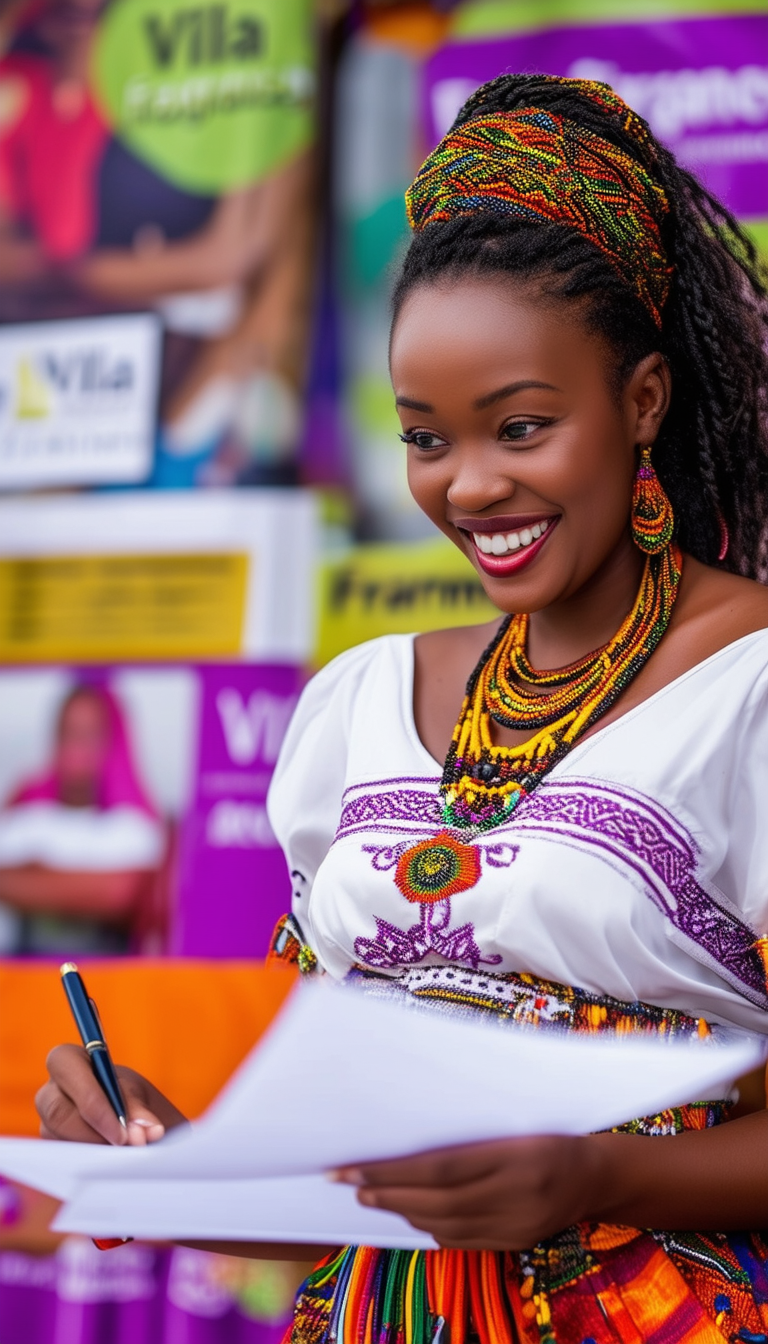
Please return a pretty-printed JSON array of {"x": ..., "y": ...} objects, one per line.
[
  {"x": 354, "y": 663},
  {"x": 717, "y": 590},
  {"x": 369, "y": 667},
  {"x": 716, "y": 608}
]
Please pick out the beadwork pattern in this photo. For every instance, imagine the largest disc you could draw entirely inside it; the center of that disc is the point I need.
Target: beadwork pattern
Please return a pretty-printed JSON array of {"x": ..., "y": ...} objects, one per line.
[
  {"x": 533, "y": 165},
  {"x": 436, "y": 869},
  {"x": 653, "y": 520},
  {"x": 483, "y": 783},
  {"x": 519, "y": 999}
]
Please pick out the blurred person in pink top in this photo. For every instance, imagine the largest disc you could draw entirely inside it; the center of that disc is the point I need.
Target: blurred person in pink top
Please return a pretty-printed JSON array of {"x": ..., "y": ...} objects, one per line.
[{"x": 81, "y": 843}]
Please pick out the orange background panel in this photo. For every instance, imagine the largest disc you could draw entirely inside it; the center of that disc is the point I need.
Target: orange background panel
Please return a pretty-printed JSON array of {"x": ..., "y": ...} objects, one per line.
[{"x": 186, "y": 1024}]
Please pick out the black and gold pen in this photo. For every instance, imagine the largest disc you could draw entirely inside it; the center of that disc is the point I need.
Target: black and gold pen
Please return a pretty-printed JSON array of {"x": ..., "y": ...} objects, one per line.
[{"x": 88, "y": 1024}]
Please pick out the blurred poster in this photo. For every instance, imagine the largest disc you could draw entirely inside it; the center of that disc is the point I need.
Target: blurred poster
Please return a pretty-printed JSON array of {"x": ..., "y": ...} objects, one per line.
[
  {"x": 378, "y": 144},
  {"x": 152, "y": 648},
  {"x": 136, "y": 576},
  {"x": 78, "y": 401},
  {"x": 132, "y": 808},
  {"x": 157, "y": 155},
  {"x": 701, "y": 80},
  {"x": 395, "y": 588},
  {"x": 232, "y": 877}
]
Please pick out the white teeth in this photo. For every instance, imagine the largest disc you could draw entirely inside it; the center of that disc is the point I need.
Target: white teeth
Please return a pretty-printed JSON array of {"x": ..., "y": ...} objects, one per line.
[{"x": 500, "y": 544}]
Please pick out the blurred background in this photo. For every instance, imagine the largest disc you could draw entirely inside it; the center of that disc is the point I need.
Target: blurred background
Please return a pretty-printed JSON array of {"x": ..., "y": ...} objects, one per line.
[{"x": 203, "y": 498}]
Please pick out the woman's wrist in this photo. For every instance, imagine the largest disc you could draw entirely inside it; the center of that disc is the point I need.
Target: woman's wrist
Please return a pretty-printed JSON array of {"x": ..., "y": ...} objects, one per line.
[
  {"x": 704, "y": 1179},
  {"x": 612, "y": 1167}
]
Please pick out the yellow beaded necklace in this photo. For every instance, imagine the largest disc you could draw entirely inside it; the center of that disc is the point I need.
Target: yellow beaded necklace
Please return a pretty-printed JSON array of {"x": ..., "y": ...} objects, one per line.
[{"x": 482, "y": 783}]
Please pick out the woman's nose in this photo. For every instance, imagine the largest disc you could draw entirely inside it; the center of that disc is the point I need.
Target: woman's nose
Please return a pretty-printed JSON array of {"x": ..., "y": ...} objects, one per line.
[{"x": 474, "y": 487}]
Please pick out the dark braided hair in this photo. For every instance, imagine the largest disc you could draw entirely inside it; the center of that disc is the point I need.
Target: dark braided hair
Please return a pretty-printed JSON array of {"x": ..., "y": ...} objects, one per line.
[{"x": 711, "y": 454}]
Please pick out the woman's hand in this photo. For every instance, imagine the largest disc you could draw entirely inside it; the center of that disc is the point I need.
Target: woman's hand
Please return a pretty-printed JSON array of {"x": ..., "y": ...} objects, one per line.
[
  {"x": 505, "y": 1195},
  {"x": 71, "y": 1105}
]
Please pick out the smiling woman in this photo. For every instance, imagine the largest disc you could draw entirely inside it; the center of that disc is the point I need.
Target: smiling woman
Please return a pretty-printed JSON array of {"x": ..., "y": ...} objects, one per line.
[{"x": 574, "y": 316}]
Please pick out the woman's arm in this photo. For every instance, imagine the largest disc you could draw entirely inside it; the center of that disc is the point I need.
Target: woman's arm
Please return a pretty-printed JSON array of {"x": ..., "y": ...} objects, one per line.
[
  {"x": 506, "y": 1195},
  {"x": 33, "y": 888},
  {"x": 511, "y": 1194}
]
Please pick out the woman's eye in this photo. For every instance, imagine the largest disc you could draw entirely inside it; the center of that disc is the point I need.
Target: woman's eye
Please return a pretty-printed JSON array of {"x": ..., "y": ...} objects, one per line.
[
  {"x": 517, "y": 431},
  {"x": 423, "y": 439}
]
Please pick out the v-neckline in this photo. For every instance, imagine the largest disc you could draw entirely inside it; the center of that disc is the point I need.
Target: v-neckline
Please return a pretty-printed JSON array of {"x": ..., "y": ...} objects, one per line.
[{"x": 409, "y": 714}]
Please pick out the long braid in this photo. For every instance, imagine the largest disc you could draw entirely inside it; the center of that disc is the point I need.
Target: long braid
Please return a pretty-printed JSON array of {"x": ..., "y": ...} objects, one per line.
[{"x": 712, "y": 451}]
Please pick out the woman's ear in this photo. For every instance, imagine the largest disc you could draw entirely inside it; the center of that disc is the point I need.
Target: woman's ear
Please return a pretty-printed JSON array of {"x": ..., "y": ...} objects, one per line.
[{"x": 647, "y": 397}]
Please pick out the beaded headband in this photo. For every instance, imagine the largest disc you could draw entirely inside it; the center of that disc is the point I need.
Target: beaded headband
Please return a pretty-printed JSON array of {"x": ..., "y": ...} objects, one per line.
[{"x": 534, "y": 165}]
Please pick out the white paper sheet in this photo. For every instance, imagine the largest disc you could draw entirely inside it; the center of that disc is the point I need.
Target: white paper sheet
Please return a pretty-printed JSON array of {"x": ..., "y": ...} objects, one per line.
[
  {"x": 343, "y": 1077},
  {"x": 308, "y": 1209}
]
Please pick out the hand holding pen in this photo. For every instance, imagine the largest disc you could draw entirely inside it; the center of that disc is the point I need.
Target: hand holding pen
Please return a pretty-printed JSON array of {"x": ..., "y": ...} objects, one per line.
[
  {"x": 134, "y": 1126},
  {"x": 91, "y": 1034},
  {"x": 73, "y": 1104}
]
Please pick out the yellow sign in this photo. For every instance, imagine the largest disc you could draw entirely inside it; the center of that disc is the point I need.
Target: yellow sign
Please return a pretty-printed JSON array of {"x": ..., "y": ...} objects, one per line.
[
  {"x": 93, "y": 608},
  {"x": 395, "y": 589}
]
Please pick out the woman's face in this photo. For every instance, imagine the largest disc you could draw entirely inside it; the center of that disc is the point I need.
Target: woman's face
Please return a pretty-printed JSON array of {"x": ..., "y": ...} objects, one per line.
[
  {"x": 82, "y": 747},
  {"x": 519, "y": 447}
]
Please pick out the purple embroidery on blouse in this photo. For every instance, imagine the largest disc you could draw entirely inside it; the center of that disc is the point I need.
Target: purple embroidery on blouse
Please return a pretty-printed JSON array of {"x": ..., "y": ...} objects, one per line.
[
  {"x": 632, "y": 828},
  {"x": 406, "y": 947},
  {"x": 624, "y": 825},
  {"x": 378, "y": 803},
  {"x": 384, "y": 857},
  {"x": 393, "y": 947}
]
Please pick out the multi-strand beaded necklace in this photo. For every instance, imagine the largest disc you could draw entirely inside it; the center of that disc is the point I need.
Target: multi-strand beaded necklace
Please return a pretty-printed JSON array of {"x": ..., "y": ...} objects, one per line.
[{"x": 483, "y": 783}]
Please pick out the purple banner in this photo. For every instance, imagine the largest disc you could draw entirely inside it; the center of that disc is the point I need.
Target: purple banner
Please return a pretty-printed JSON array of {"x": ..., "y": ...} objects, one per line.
[
  {"x": 701, "y": 83},
  {"x": 140, "y": 1295},
  {"x": 233, "y": 882}
]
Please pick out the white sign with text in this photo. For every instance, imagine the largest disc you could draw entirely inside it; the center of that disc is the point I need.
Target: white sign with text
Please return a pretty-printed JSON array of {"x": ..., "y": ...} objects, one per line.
[{"x": 78, "y": 400}]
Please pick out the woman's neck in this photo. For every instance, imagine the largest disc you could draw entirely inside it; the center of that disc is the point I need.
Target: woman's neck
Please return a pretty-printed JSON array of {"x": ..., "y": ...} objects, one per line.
[{"x": 568, "y": 630}]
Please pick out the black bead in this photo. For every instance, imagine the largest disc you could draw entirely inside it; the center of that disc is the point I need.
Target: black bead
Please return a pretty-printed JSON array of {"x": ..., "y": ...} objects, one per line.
[{"x": 486, "y": 771}]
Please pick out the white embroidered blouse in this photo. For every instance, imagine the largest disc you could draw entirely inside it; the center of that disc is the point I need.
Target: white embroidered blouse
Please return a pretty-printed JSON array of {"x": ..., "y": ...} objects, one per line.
[{"x": 638, "y": 869}]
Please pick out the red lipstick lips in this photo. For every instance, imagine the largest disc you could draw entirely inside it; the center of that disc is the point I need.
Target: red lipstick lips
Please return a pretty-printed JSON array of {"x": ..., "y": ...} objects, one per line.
[{"x": 501, "y": 566}]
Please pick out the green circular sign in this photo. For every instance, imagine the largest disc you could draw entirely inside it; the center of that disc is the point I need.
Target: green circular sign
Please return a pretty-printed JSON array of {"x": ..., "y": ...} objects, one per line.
[{"x": 212, "y": 95}]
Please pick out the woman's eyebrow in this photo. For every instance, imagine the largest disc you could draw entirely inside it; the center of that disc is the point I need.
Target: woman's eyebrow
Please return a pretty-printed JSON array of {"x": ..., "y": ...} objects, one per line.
[
  {"x": 508, "y": 390},
  {"x": 414, "y": 405}
]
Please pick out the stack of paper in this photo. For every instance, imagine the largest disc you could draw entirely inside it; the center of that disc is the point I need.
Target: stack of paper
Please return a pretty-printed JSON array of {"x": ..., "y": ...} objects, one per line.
[{"x": 342, "y": 1077}]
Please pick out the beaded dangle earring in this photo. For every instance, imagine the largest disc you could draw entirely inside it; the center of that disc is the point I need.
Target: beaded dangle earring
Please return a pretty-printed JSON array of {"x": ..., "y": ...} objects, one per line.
[
  {"x": 725, "y": 539},
  {"x": 652, "y": 516}
]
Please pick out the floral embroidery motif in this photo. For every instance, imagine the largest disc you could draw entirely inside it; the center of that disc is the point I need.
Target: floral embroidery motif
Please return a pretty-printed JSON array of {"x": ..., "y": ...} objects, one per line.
[
  {"x": 436, "y": 869},
  {"x": 406, "y": 947},
  {"x": 428, "y": 874}
]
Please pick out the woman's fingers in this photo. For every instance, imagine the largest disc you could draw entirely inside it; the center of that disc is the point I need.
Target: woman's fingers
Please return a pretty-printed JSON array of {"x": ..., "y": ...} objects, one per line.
[
  {"x": 505, "y": 1194},
  {"x": 443, "y": 1167},
  {"x": 60, "y": 1119},
  {"x": 72, "y": 1105}
]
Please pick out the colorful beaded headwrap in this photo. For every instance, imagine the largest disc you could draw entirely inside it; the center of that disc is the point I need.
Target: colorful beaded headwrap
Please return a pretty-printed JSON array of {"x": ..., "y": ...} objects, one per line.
[{"x": 535, "y": 165}]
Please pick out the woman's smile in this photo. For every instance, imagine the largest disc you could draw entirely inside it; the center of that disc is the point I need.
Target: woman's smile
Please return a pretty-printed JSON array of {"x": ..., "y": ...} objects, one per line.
[{"x": 505, "y": 545}]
